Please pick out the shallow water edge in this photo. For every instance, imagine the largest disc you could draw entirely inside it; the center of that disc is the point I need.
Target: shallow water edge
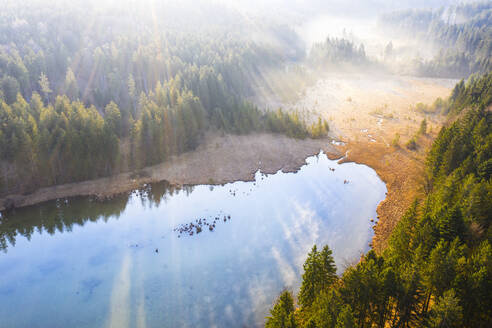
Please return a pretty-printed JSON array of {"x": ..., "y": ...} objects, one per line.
[{"x": 220, "y": 160}]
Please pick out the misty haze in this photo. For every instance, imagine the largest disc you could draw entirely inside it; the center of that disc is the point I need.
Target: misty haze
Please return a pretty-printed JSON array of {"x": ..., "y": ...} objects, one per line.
[{"x": 245, "y": 163}]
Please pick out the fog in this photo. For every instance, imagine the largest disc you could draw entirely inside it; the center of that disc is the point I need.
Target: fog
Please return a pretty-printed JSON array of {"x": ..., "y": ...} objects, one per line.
[
  {"x": 360, "y": 40},
  {"x": 271, "y": 21}
]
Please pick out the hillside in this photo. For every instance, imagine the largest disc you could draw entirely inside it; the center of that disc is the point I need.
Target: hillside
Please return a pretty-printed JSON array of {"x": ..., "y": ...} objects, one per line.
[{"x": 437, "y": 268}]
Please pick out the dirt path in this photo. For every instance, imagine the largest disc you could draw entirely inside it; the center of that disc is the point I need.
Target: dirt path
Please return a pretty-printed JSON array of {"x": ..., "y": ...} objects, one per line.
[{"x": 220, "y": 159}]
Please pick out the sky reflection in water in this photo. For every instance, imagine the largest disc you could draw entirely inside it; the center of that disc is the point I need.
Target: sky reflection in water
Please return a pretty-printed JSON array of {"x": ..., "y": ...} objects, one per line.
[{"x": 82, "y": 263}]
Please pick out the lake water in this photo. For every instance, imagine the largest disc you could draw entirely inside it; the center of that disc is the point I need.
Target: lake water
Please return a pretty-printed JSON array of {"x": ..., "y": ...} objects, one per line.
[{"x": 132, "y": 261}]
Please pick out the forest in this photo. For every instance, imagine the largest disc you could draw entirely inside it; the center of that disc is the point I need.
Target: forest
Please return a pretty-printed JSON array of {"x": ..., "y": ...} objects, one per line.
[
  {"x": 102, "y": 98},
  {"x": 461, "y": 35},
  {"x": 336, "y": 52},
  {"x": 437, "y": 269},
  {"x": 94, "y": 88},
  {"x": 114, "y": 91}
]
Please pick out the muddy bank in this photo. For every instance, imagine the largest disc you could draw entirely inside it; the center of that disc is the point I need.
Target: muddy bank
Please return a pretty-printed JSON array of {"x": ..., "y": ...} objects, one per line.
[
  {"x": 401, "y": 170},
  {"x": 219, "y": 160}
]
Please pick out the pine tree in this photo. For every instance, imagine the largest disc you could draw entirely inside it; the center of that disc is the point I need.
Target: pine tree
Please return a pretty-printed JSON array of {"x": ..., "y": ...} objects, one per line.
[
  {"x": 346, "y": 318},
  {"x": 319, "y": 274},
  {"x": 310, "y": 279},
  {"x": 423, "y": 127},
  {"x": 282, "y": 313},
  {"x": 10, "y": 88},
  {"x": 132, "y": 91},
  {"x": 447, "y": 312},
  {"x": 44, "y": 85},
  {"x": 328, "y": 268},
  {"x": 71, "y": 87},
  {"x": 112, "y": 118}
]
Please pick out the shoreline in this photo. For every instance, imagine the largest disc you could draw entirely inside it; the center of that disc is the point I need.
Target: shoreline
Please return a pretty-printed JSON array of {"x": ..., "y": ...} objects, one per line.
[
  {"x": 225, "y": 159},
  {"x": 401, "y": 170},
  {"x": 367, "y": 124},
  {"x": 219, "y": 160}
]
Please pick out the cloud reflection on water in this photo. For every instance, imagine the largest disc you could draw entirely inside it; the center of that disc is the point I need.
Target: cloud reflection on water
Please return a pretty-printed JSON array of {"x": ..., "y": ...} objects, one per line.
[{"x": 216, "y": 278}]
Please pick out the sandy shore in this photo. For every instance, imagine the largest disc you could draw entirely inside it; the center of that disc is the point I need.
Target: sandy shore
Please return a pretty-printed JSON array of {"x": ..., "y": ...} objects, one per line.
[{"x": 219, "y": 160}]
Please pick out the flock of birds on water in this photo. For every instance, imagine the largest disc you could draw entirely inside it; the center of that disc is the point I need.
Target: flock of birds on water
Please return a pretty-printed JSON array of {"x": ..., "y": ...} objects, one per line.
[
  {"x": 199, "y": 225},
  {"x": 195, "y": 227}
]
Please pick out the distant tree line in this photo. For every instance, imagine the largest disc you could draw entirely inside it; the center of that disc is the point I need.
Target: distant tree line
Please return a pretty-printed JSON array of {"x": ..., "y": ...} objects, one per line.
[
  {"x": 437, "y": 269},
  {"x": 474, "y": 92},
  {"x": 52, "y": 52},
  {"x": 337, "y": 51},
  {"x": 462, "y": 33}
]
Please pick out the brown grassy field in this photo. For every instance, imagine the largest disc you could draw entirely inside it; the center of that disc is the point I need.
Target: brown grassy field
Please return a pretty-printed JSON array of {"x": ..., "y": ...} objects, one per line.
[{"x": 366, "y": 113}]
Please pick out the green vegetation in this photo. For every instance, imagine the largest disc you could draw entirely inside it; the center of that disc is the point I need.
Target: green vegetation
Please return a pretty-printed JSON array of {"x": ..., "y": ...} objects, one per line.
[
  {"x": 282, "y": 314},
  {"x": 463, "y": 33},
  {"x": 412, "y": 144},
  {"x": 319, "y": 274},
  {"x": 437, "y": 269},
  {"x": 336, "y": 52},
  {"x": 67, "y": 141},
  {"x": 102, "y": 98},
  {"x": 396, "y": 141},
  {"x": 475, "y": 92},
  {"x": 423, "y": 127}
]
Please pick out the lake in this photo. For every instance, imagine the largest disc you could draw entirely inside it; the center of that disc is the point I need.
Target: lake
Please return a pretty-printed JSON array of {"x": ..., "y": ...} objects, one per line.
[{"x": 194, "y": 256}]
